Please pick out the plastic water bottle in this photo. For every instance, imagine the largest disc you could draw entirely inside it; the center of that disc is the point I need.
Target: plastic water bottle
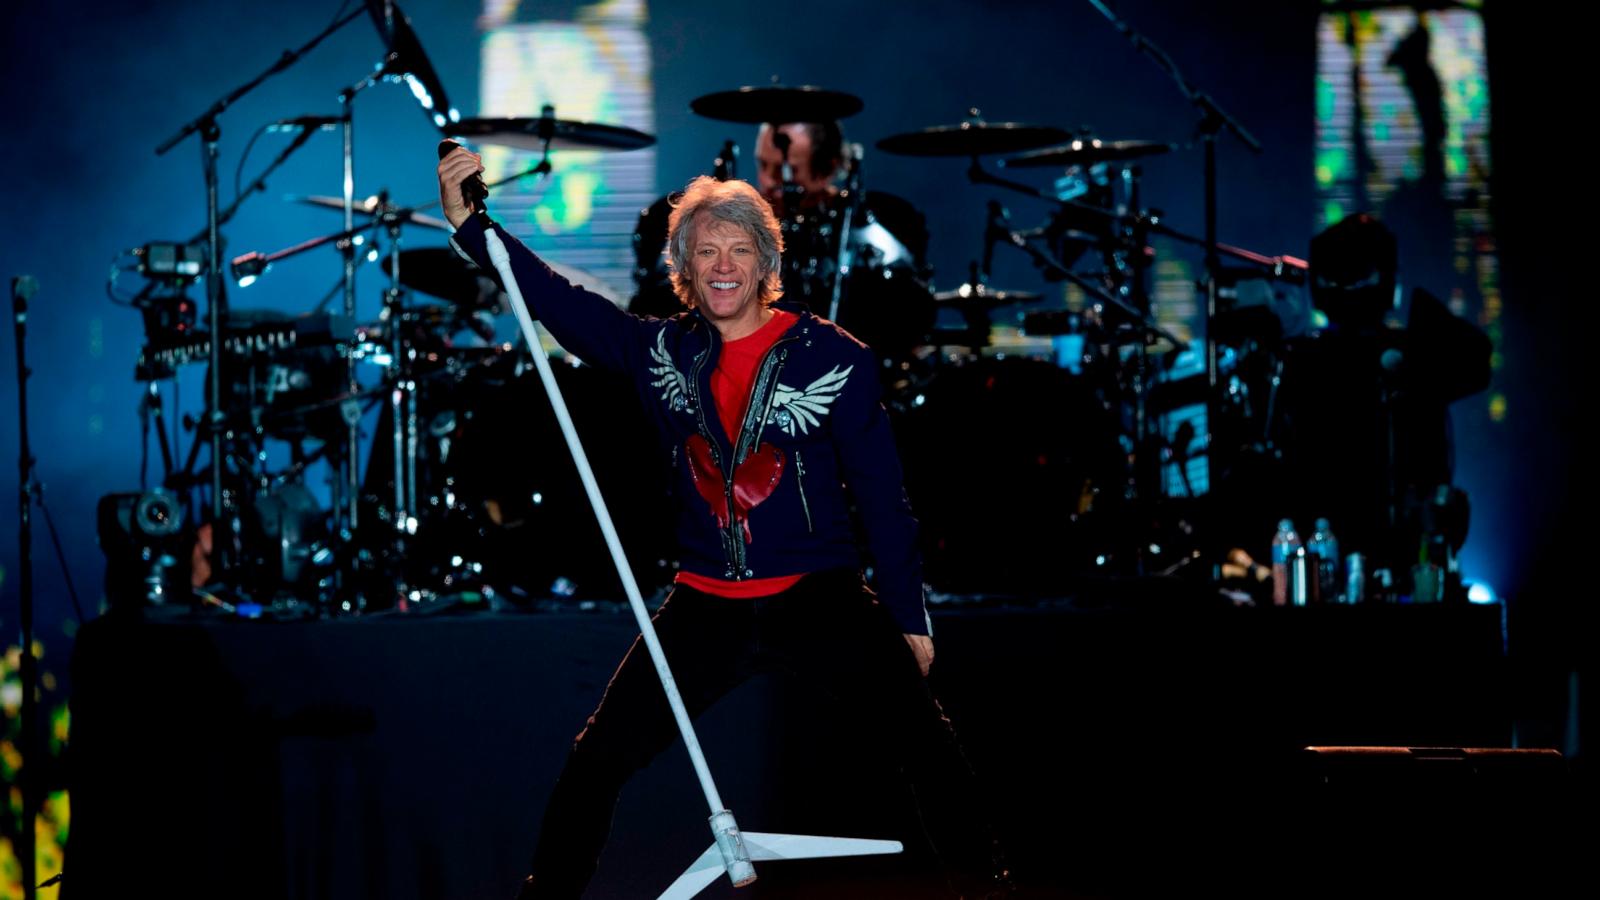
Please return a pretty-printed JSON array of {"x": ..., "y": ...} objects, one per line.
[
  {"x": 1325, "y": 547},
  {"x": 1355, "y": 584},
  {"x": 1284, "y": 544}
]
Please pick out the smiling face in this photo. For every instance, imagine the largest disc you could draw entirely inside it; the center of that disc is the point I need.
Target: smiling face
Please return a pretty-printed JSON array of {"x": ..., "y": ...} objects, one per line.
[
  {"x": 727, "y": 274},
  {"x": 725, "y": 249}
]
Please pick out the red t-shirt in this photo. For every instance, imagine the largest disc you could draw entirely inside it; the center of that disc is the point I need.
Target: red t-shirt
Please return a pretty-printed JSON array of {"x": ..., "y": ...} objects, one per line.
[{"x": 730, "y": 389}]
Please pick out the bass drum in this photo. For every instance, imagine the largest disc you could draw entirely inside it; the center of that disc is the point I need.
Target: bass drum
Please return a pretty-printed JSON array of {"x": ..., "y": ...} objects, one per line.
[
  {"x": 531, "y": 525},
  {"x": 501, "y": 503},
  {"x": 1014, "y": 470}
]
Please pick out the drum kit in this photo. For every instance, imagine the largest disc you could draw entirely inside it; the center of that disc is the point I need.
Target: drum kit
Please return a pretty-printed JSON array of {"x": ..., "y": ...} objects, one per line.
[{"x": 1032, "y": 443}]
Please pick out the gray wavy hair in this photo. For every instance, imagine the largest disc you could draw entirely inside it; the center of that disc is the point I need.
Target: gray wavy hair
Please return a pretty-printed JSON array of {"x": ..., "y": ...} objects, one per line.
[{"x": 737, "y": 203}]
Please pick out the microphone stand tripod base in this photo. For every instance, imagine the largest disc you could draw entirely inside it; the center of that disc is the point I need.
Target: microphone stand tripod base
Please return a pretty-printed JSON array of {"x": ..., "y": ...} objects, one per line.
[{"x": 735, "y": 853}]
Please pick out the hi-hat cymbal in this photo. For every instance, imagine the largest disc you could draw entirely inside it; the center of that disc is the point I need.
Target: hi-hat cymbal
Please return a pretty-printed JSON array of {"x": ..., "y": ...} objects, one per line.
[
  {"x": 370, "y": 207},
  {"x": 777, "y": 103},
  {"x": 1084, "y": 152},
  {"x": 984, "y": 295},
  {"x": 972, "y": 139},
  {"x": 536, "y": 132}
]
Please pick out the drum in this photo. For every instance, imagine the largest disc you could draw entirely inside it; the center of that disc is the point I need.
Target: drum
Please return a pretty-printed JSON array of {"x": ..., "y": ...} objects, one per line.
[
  {"x": 1014, "y": 468},
  {"x": 884, "y": 301},
  {"x": 502, "y": 505}
]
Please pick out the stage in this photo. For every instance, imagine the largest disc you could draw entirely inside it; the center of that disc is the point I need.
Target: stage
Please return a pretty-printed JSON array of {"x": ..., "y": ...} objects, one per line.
[{"x": 1130, "y": 752}]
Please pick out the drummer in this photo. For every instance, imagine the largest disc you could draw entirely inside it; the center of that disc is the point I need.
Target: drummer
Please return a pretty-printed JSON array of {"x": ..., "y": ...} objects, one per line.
[{"x": 815, "y": 158}]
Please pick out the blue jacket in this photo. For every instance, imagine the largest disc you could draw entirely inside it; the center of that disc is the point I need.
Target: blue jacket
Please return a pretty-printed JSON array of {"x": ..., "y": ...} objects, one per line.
[{"x": 773, "y": 502}]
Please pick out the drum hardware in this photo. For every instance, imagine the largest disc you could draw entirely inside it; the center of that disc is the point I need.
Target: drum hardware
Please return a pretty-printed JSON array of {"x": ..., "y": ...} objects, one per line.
[{"x": 851, "y": 195}]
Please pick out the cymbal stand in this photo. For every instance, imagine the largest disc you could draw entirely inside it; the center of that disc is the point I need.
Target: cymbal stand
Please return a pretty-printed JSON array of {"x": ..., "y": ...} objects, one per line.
[
  {"x": 347, "y": 484},
  {"x": 404, "y": 515},
  {"x": 853, "y": 200}
]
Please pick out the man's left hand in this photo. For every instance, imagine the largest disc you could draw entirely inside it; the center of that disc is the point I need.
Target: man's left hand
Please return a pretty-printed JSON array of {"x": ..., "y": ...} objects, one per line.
[{"x": 922, "y": 649}]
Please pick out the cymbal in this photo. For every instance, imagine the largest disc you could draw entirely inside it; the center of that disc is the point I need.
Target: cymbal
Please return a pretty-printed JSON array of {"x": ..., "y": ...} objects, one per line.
[
  {"x": 369, "y": 207},
  {"x": 972, "y": 139},
  {"x": 985, "y": 295},
  {"x": 405, "y": 57},
  {"x": 1084, "y": 152},
  {"x": 777, "y": 103},
  {"x": 532, "y": 133},
  {"x": 441, "y": 272}
]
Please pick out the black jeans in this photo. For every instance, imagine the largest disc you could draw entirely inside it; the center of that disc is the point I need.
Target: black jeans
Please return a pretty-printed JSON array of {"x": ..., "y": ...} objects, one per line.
[{"x": 827, "y": 630}]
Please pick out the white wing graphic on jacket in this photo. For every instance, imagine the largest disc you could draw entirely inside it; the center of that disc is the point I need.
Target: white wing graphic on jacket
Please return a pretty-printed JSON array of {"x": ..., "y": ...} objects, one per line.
[
  {"x": 674, "y": 387},
  {"x": 802, "y": 409}
]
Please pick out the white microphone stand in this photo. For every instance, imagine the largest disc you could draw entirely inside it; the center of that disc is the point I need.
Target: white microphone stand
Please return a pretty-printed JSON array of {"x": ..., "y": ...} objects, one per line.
[{"x": 731, "y": 850}]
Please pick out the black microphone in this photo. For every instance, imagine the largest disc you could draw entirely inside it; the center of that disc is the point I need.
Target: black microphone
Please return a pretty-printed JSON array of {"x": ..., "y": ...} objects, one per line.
[
  {"x": 473, "y": 190},
  {"x": 306, "y": 123},
  {"x": 726, "y": 165}
]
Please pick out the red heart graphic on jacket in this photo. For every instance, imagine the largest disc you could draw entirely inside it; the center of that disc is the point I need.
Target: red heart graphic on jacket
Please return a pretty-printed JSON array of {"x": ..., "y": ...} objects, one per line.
[{"x": 753, "y": 481}]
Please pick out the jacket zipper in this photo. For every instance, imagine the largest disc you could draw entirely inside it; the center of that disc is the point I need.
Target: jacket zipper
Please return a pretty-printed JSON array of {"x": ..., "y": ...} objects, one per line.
[
  {"x": 800, "y": 480},
  {"x": 754, "y": 420}
]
